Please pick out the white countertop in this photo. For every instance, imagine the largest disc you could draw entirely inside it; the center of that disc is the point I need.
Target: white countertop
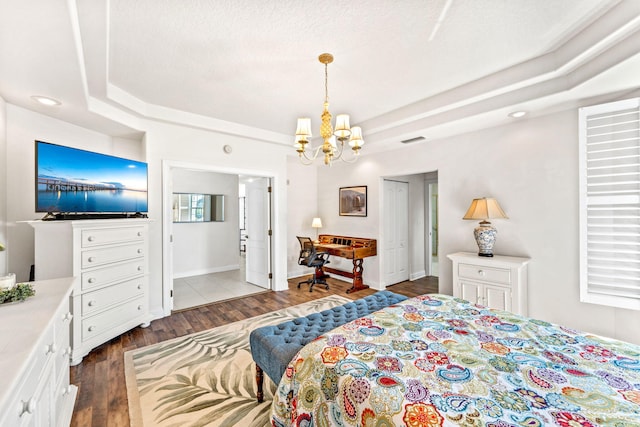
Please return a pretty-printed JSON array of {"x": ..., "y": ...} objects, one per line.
[{"x": 22, "y": 324}]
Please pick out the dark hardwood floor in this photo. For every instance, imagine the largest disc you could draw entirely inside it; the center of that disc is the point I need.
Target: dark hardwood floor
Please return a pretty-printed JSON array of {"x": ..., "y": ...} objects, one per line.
[{"x": 102, "y": 394}]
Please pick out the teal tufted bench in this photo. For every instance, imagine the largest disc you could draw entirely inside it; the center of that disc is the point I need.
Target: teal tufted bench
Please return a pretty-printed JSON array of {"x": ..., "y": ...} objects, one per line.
[{"x": 273, "y": 347}]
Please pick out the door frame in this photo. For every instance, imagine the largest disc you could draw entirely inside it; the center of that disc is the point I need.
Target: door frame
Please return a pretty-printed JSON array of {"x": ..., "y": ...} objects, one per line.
[
  {"x": 429, "y": 225},
  {"x": 168, "y": 166}
]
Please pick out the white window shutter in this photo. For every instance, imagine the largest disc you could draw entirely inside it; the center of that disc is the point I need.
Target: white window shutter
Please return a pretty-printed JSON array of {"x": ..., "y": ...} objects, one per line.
[{"x": 609, "y": 168}]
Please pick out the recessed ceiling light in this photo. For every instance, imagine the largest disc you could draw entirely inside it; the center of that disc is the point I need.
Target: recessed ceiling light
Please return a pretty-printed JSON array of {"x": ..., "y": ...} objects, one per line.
[
  {"x": 49, "y": 102},
  {"x": 517, "y": 114}
]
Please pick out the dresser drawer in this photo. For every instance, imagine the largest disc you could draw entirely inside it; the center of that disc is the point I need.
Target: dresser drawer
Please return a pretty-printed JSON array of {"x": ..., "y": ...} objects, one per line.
[
  {"x": 102, "y": 256},
  {"x": 106, "y": 236},
  {"x": 27, "y": 399},
  {"x": 113, "y": 273},
  {"x": 62, "y": 323},
  {"x": 487, "y": 274},
  {"x": 107, "y": 320},
  {"x": 103, "y": 298}
]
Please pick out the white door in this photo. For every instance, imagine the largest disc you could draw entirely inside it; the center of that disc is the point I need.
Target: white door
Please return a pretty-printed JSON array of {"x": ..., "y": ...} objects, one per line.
[
  {"x": 396, "y": 232},
  {"x": 258, "y": 241}
]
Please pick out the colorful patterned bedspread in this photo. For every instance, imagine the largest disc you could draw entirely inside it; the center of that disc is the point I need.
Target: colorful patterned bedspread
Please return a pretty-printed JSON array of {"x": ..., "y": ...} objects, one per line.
[{"x": 436, "y": 360}]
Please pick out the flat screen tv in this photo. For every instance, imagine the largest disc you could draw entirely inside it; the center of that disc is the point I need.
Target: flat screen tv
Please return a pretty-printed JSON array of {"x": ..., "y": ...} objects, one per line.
[{"x": 76, "y": 182}]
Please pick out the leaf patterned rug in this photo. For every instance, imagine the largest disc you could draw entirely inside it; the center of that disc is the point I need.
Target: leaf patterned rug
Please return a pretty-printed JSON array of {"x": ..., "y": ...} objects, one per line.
[{"x": 206, "y": 378}]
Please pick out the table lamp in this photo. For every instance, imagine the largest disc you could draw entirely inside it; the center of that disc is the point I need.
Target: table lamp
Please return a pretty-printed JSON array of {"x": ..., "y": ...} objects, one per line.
[
  {"x": 485, "y": 234},
  {"x": 316, "y": 223}
]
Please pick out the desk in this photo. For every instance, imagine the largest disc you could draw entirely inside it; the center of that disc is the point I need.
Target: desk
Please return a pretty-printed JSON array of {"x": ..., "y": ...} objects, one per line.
[{"x": 354, "y": 248}]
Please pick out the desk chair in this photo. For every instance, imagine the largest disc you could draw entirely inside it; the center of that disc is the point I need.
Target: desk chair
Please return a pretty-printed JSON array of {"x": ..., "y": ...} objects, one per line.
[{"x": 314, "y": 259}]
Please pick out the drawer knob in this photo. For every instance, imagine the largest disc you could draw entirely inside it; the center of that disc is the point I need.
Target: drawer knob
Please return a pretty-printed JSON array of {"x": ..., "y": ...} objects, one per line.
[
  {"x": 140, "y": 307},
  {"x": 91, "y": 280},
  {"x": 67, "y": 351},
  {"x": 139, "y": 233},
  {"x": 139, "y": 268},
  {"x": 91, "y": 259},
  {"x": 91, "y": 328},
  {"x": 92, "y": 303},
  {"x": 139, "y": 251},
  {"x": 140, "y": 286},
  {"x": 49, "y": 349},
  {"x": 481, "y": 273},
  {"x": 29, "y": 407},
  {"x": 66, "y": 390},
  {"x": 91, "y": 238},
  {"x": 67, "y": 317}
]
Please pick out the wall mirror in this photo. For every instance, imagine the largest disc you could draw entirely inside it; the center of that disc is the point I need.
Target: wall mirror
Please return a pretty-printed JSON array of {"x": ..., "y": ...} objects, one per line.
[{"x": 193, "y": 207}]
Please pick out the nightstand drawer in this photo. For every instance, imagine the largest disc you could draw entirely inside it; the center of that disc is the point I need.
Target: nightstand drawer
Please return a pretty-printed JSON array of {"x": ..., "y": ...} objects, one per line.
[{"x": 487, "y": 274}]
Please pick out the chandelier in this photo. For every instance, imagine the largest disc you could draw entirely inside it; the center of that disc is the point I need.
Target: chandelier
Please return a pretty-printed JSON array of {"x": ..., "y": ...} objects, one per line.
[{"x": 333, "y": 139}]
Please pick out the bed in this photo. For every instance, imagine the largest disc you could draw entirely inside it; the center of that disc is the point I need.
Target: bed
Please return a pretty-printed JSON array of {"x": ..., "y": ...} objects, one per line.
[{"x": 435, "y": 360}]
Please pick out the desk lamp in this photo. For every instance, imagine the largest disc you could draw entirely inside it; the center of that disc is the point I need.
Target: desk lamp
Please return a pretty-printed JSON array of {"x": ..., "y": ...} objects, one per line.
[
  {"x": 316, "y": 223},
  {"x": 485, "y": 234}
]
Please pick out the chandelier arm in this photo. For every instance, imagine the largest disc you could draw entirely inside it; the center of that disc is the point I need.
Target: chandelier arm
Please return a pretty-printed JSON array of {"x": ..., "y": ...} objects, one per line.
[
  {"x": 353, "y": 159},
  {"x": 312, "y": 158}
]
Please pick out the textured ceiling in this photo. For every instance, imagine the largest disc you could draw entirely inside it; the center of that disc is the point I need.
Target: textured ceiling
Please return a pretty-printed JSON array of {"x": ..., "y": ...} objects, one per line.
[{"x": 249, "y": 67}]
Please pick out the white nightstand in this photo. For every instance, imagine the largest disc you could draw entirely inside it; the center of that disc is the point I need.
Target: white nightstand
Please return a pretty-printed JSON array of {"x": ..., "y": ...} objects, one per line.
[{"x": 496, "y": 282}]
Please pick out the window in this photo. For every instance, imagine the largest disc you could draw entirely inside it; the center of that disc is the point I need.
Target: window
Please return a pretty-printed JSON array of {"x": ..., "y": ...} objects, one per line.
[{"x": 609, "y": 167}]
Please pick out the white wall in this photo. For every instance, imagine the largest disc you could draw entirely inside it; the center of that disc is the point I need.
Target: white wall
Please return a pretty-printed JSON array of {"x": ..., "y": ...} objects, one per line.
[
  {"x": 302, "y": 207},
  {"x": 23, "y": 128},
  {"x": 530, "y": 166},
  {"x": 207, "y": 247}
]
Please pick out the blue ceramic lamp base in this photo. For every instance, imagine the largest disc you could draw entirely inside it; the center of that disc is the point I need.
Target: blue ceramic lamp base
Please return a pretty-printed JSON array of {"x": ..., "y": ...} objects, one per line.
[{"x": 485, "y": 235}]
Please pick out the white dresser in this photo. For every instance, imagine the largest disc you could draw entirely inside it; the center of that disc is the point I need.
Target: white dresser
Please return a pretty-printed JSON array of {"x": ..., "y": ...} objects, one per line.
[
  {"x": 109, "y": 258},
  {"x": 496, "y": 282},
  {"x": 34, "y": 358}
]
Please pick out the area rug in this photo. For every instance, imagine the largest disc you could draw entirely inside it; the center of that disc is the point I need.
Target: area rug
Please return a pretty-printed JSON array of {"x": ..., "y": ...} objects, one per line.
[{"x": 206, "y": 378}]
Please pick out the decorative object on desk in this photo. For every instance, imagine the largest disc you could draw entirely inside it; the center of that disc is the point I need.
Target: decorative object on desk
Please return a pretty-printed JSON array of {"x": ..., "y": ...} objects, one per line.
[
  {"x": 316, "y": 223},
  {"x": 353, "y": 201},
  {"x": 341, "y": 133},
  {"x": 19, "y": 292},
  {"x": 485, "y": 234}
]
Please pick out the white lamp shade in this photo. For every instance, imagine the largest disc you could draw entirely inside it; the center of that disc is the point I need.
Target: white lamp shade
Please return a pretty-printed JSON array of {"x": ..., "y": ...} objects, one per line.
[
  {"x": 332, "y": 141},
  {"x": 316, "y": 223},
  {"x": 342, "y": 129},
  {"x": 484, "y": 208},
  {"x": 304, "y": 127},
  {"x": 356, "y": 137}
]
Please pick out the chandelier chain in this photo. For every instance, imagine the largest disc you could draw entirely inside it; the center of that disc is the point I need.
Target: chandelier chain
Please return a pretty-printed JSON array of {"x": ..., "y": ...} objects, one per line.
[{"x": 326, "y": 82}]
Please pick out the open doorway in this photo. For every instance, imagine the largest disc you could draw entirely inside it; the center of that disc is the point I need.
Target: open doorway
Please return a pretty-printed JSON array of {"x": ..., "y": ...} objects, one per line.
[
  {"x": 431, "y": 221},
  {"x": 206, "y": 262}
]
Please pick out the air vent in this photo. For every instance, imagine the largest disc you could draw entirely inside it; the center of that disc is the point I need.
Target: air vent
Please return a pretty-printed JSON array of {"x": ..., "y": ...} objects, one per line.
[{"x": 410, "y": 140}]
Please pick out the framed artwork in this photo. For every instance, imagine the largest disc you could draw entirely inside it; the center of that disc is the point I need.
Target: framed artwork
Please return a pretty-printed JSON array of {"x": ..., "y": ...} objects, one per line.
[{"x": 353, "y": 201}]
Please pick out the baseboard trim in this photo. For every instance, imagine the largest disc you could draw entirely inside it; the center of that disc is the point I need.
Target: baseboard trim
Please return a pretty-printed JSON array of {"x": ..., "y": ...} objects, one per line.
[{"x": 202, "y": 271}]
